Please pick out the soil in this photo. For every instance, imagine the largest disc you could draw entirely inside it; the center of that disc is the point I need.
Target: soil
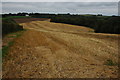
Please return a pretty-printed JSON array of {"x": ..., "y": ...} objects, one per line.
[{"x": 55, "y": 50}]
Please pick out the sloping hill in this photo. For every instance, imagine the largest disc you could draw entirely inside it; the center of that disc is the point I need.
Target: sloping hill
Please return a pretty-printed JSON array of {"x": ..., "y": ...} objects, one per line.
[{"x": 55, "y": 50}]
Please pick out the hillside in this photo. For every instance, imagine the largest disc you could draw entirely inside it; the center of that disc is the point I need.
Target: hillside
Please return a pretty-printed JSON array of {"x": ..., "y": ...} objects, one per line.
[{"x": 56, "y": 50}]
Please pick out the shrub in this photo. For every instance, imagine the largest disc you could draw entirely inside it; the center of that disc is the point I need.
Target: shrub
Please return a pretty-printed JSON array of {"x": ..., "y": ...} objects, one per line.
[{"x": 9, "y": 26}]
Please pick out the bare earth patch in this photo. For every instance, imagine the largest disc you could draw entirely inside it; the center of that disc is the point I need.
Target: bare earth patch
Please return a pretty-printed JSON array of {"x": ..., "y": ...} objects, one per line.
[{"x": 54, "y": 50}]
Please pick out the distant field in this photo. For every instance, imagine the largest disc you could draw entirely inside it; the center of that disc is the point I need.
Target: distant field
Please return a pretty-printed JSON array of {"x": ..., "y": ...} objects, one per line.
[
  {"x": 21, "y": 20},
  {"x": 12, "y": 17}
]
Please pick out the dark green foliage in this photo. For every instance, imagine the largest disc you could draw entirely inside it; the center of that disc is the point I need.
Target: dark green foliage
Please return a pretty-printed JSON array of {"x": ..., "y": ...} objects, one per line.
[
  {"x": 110, "y": 25},
  {"x": 8, "y": 26},
  {"x": 43, "y": 15},
  {"x": 6, "y": 48},
  {"x": 101, "y": 24}
]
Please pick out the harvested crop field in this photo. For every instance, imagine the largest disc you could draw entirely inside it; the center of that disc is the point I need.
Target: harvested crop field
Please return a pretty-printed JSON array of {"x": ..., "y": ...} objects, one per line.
[
  {"x": 55, "y": 50},
  {"x": 21, "y": 20}
]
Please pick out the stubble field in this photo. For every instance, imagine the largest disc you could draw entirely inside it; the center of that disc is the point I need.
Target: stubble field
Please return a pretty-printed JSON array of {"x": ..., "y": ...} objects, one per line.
[{"x": 55, "y": 50}]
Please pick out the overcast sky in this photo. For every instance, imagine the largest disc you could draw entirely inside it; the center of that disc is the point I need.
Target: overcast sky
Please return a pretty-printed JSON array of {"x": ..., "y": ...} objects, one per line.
[
  {"x": 105, "y": 8},
  {"x": 60, "y": 0}
]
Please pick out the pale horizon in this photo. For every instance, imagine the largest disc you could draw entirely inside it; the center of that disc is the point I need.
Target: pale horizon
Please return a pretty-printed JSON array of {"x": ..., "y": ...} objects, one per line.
[{"x": 104, "y": 8}]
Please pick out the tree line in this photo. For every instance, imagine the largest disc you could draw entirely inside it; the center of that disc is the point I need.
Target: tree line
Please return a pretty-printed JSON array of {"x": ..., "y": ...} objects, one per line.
[{"x": 101, "y": 24}]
